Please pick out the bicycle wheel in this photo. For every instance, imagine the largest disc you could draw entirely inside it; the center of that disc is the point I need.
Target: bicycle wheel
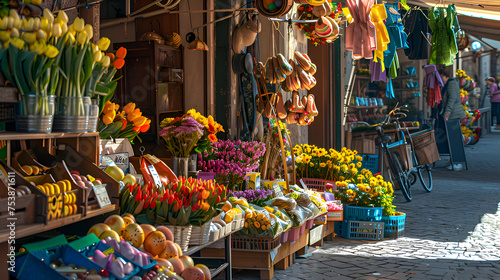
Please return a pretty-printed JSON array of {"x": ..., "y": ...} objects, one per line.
[
  {"x": 412, "y": 177},
  {"x": 425, "y": 176},
  {"x": 401, "y": 177}
]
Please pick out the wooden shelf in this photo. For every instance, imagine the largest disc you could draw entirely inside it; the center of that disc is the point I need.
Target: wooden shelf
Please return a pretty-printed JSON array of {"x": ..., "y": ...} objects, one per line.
[
  {"x": 406, "y": 77},
  {"x": 26, "y": 230},
  {"x": 33, "y": 136},
  {"x": 363, "y": 77},
  {"x": 367, "y": 107},
  {"x": 406, "y": 89}
]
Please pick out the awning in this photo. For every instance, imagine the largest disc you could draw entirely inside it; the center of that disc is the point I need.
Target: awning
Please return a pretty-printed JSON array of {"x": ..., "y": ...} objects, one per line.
[
  {"x": 477, "y": 17},
  {"x": 480, "y": 28},
  {"x": 484, "y": 9}
]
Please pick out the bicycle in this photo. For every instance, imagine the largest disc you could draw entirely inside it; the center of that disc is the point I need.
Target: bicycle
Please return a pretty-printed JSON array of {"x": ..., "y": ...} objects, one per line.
[{"x": 398, "y": 172}]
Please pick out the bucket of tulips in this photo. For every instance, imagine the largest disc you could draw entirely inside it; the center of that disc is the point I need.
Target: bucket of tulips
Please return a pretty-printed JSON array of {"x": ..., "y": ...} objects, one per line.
[{"x": 29, "y": 61}]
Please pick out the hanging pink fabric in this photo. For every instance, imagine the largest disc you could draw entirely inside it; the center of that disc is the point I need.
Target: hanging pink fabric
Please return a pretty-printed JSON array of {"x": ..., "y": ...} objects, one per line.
[{"x": 360, "y": 34}]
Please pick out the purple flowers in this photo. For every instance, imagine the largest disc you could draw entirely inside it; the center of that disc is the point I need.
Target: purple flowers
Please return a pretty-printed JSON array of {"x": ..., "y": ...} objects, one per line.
[
  {"x": 231, "y": 160},
  {"x": 257, "y": 197}
]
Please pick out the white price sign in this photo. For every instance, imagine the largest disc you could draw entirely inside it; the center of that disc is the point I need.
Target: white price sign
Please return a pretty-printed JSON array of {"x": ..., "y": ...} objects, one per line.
[
  {"x": 277, "y": 190},
  {"x": 102, "y": 195},
  {"x": 155, "y": 176}
]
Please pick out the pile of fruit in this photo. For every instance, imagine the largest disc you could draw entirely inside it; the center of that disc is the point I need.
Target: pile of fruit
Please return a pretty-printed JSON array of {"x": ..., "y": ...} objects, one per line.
[
  {"x": 62, "y": 200},
  {"x": 155, "y": 242},
  {"x": 32, "y": 170}
]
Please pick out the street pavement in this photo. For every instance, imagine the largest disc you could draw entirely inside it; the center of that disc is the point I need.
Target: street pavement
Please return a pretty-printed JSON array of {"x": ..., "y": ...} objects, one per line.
[{"x": 451, "y": 233}]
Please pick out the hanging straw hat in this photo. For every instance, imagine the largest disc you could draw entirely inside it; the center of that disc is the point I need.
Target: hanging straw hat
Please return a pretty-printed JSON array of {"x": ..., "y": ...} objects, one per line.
[{"x": 244, "y": 35}]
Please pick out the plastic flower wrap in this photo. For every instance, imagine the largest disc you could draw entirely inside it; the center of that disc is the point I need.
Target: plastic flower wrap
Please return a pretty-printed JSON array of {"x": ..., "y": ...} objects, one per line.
[
  {"x": 125, "y": 124},
  {"x": 314, "y": 162},
  {"x": 231, "y": 160},
  {"x": 260, "y": 222}
]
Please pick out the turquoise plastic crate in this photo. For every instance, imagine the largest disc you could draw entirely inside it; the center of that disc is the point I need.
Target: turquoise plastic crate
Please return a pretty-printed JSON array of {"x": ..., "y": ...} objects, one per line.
[
  {"x": 368, "y": 214},
  {"x": 362, "y": 230},
  {"x": 370, "y": 162},
  {"x": 394, "y": 226}
]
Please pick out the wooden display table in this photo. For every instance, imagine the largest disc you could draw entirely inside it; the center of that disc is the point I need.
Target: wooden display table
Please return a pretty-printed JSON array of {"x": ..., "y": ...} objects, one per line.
[{"x": 266, "y": 261}]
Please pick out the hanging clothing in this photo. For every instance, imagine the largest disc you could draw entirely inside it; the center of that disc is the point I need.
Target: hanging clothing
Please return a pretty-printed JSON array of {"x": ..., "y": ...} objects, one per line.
[
  {"x": 378, "y": 15},
  {"x": 444, "y": 24},
  {"x": 377, "y": 71},
  {"x": 416, "y": 23},
  {"x": 396, "y": 32},
  {"x": 360, "y": 33},
  {"x": 433, "y": 83},
  {"x": 389, "y": 90}
]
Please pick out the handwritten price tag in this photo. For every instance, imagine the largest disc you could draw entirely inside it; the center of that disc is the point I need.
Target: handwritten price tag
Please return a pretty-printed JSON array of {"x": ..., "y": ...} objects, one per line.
[
  {"x": 155, "y": 176},
  {"x": 102, "y": 195},
  {"x": 277, "y": 190}
]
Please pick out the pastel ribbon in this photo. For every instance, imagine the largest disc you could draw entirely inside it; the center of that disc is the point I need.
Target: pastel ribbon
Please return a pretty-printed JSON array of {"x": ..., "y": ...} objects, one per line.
[{"x": 360, "y": 34}]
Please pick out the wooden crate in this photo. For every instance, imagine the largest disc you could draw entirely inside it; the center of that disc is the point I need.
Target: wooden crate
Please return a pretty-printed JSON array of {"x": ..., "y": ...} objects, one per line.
[
  {"x": 261, "y": 260},
  {"x": 76, "y": 161},
  {"x": 24, "y": 207},
  {"x": 55, "y": 203}
]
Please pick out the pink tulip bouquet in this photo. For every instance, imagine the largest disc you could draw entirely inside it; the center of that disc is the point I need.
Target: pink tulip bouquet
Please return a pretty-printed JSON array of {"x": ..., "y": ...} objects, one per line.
[{"x": 231, "y": 160}]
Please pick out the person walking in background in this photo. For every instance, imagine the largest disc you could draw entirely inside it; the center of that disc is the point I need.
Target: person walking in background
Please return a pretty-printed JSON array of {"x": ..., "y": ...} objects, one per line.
[
  {"x": 452, "y": 108},
  {"x": 495, "y": 100}
]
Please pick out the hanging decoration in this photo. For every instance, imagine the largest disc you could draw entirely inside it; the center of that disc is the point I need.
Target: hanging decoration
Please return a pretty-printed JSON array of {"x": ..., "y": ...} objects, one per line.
[
  {"x": 433, "y": 82},
  {"x": 326, "y": 28},
  {"x": 444, "y": 25},
  {"x": 360, "y": 34},
  {"x": 273, "y": 8},
  {"x": 378, "y": 15},
  {"x": 416, "y": 23}
]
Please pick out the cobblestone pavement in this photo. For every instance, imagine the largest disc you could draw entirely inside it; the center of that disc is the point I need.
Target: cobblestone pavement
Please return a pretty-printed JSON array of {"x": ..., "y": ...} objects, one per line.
[{"x": 451, "y": 233}]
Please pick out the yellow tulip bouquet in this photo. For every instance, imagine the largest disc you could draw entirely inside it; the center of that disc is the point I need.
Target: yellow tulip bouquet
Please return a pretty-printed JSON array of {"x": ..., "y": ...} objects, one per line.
[
  {"x": 125, "y": 124},
  {"x": 43, "y": 56},
  {"x": 29, "y": 58}
]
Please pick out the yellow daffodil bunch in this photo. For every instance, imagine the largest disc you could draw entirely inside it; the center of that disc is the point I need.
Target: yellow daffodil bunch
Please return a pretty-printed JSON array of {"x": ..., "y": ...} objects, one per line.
[
  {"x": 368, "y": 191},
  {"x": 315, "y": 162},
  {"x": 125, "y": 124},
  {"x": 461, "y": 73},
  {"x": 210, "y": 129}
]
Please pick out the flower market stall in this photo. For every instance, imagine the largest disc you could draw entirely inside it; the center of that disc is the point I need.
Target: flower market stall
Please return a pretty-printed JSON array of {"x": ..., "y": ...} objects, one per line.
[{"x": 158, "y": 145}]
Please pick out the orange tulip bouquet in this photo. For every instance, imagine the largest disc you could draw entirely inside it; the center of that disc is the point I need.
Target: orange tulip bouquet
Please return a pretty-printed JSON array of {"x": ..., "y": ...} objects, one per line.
[
  {"x": 125, "y": 124},
  {"x": 187, "y": 202}
]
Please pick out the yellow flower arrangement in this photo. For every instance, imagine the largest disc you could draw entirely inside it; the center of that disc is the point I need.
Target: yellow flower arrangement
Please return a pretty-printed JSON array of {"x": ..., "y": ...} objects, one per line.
[
  {"x": 367, "y": 190},
  {"x": 314, "y": 162}
]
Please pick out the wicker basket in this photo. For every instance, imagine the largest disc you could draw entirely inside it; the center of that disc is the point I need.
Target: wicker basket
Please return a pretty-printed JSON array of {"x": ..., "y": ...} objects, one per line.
[
  {"x": 182, "y": 235},
  {"x": 425, "y": 147},
  {"x": 200, "y": 235}
]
